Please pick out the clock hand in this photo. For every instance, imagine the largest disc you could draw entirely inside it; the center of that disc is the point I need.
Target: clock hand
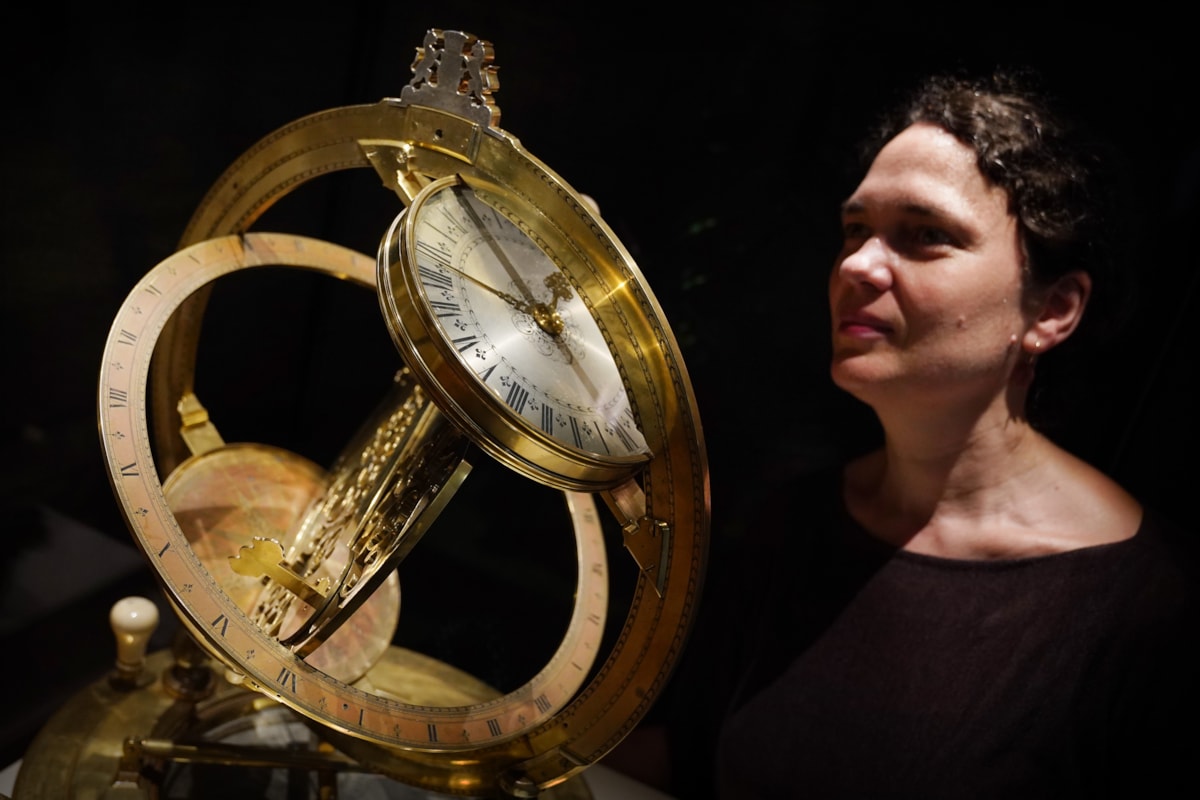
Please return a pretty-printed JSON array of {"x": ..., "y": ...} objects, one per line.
[
  {"x": 519, "y": 305},
  {"x": 555, "y": 327},
  {"x": 580, "y": 372},
  {"x": 501, "y": 256},
  {"x": 546, "y": 317}
]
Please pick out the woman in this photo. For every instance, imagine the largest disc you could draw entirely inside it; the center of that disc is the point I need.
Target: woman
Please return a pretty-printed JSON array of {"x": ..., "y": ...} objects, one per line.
[
  {"x": 938, "y": 314},
  {"x": 980, "y": 614}
]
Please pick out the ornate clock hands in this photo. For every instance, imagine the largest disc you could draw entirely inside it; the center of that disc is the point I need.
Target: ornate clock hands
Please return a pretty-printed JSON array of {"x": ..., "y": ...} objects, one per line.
[
  {"x": 519, "y": 305},
  {"x": 490, "y": 238},
  {"x": 546, "y": 317}
]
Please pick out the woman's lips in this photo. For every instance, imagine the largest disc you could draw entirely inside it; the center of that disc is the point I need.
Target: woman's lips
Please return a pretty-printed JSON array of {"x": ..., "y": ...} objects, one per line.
[{"x": 863, "y": 325}]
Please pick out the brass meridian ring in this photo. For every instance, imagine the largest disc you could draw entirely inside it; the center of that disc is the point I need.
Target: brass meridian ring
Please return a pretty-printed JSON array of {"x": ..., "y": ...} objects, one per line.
[{"x": 491, "y": 730}]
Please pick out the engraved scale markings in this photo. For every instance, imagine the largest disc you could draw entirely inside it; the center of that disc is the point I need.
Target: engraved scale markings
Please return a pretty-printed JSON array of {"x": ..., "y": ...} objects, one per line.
[{"x": 217, "y": 622}]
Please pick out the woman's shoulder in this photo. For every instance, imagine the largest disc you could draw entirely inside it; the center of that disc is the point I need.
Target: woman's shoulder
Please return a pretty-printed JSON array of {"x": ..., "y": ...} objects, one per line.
[{"x": 1088, "y": 506}]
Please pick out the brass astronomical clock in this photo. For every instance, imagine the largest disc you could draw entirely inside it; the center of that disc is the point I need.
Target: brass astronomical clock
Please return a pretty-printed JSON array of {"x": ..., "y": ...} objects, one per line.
[{"x": 527, "y": 337}]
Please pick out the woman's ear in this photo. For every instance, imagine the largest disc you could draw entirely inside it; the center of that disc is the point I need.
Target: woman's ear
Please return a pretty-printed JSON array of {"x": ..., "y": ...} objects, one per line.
[{"x": 1058, "y": 312}]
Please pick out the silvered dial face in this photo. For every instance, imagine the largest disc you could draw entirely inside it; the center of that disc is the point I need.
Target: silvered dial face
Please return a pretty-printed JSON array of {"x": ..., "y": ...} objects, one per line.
[{"x": 518, "y": 324}]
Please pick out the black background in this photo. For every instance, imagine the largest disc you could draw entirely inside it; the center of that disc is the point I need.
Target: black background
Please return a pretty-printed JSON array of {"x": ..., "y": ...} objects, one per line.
[{"x": 712, "y": 138}]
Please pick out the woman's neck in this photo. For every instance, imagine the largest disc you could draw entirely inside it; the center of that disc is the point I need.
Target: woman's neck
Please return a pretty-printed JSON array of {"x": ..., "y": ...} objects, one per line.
[{"x": 983, "y": 487}]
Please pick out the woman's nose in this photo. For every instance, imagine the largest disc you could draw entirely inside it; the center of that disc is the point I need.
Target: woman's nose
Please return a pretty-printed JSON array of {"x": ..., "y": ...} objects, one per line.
[{"x": 869, "y": 263}]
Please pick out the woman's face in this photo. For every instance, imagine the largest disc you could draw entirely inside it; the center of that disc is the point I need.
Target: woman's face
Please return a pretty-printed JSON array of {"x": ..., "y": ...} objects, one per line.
[{"x": 926, "y": 294}]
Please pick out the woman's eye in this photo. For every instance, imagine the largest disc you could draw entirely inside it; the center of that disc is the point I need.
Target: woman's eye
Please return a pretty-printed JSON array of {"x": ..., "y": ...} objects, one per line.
[
  {"x": 854, "y": 231},
  {"x": 929, "y": 237}
]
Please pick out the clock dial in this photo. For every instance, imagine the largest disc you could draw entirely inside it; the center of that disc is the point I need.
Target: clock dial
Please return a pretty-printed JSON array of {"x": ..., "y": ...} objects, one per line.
[{"x": 484, "y": 304}]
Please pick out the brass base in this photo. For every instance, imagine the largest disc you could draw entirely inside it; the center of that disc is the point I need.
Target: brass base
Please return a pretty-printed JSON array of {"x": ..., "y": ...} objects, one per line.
[{"x": 151, "y": 740}]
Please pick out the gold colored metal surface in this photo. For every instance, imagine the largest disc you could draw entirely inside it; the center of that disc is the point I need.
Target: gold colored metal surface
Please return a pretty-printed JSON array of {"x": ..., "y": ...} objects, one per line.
[
  {"x": 228, "y": 497},
  {"x": 529, "y": 741},
  {"x": 198, "y": 431},
  {"x": 77, "y": 752},
  {"x": 386, "y": 489},
  {"x": 146, "y": 744},
  {"x": 415, "y": 678}
]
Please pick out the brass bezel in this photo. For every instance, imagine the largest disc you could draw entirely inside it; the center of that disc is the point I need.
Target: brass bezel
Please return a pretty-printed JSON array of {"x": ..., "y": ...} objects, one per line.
[{"x": 476, "y": 409}]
